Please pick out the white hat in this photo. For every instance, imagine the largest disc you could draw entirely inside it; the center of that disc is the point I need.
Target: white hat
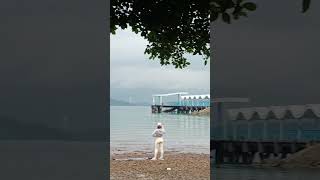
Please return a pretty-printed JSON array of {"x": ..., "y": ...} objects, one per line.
[{"x": 159, "y": 124}]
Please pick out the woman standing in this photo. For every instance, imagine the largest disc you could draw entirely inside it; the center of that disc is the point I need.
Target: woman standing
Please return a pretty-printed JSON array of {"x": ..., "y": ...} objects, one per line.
[{"x": 158, "y": 142}]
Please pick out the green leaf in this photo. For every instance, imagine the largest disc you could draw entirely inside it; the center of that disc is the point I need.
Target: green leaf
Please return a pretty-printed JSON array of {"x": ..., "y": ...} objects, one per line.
[
  {"x": 226, "y": 18},
  {"x": 135, "y": 30},
  {"x": 305, "y": 5},
  {"x": 250, "y": 6},
  {"x": 214, "y": 16},
  {"x": 243, "y": 14}
]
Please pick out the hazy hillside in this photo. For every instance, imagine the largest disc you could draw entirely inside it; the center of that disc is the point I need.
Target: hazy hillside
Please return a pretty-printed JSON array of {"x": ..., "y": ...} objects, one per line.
[
  {"x": 114, "y": 102},
  {"x": 12, "y": 129}
]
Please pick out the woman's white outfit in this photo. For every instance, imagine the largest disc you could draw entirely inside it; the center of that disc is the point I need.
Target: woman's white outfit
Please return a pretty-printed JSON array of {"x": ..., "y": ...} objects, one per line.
[{"x": 158, "y": 143}]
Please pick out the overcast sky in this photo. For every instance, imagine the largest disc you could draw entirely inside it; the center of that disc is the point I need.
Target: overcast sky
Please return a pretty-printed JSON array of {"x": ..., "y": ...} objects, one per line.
[
  {"x": 54, "y": 62},
  {"x": 133, "y": 74},
  {"x": 271, "y": 57}
]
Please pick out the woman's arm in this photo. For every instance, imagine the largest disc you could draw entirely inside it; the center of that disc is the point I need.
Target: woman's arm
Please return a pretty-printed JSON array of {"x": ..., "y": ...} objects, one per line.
[{"x": 154, "y": 133}]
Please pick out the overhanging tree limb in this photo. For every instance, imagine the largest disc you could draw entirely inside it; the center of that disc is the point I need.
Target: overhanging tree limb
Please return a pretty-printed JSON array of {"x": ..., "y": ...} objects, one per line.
[{"x": 176, "y": 27}]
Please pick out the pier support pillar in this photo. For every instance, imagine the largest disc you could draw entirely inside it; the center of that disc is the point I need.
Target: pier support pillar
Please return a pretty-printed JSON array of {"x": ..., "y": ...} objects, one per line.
[
  {"x": 231, "y": 152},
  {"x": 245, "y": 152},
  {"x": 219, "y": 156},
  {"x": 260, "y": 147},
  {"x": 294, "y": 147},
  {"x": 240, "y": 160},
  {"x": 276, "y": 147}
]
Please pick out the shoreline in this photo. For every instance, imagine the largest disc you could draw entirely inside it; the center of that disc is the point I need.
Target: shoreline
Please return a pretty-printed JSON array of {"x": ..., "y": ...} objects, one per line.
[
  {"x": 176, "y": 165},
  {"x": 149, "y": 151},
  {"x": 204, "y": 112},
  {"x": 143, "y": 153}
]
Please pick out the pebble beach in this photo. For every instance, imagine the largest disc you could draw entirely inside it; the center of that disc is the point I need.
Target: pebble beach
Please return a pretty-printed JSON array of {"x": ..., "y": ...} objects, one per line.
[{"x": 137, "y": 165}]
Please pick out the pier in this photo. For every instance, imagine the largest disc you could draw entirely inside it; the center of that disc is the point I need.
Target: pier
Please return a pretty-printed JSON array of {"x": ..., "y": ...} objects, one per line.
[
  {"x": 183, "y": 103},
  {"x": 251, "y": 152},
  {"x": 252, "y": 135}
]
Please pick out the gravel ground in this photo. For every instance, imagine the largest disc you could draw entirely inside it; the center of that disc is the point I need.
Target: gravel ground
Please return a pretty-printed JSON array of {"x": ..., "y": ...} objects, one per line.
[{"x": 182, "y": 166}]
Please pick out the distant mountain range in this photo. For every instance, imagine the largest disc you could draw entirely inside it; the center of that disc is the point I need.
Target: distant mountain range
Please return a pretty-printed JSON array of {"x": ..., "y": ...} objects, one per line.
[
  {"x": 13, "y": 129},
  {"x": 19, "y": 128},
  {"x": 114, "y": 102}
]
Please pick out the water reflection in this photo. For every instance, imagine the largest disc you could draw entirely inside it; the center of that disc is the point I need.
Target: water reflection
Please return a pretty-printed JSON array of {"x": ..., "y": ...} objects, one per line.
[{"x": 131, "y": 128}]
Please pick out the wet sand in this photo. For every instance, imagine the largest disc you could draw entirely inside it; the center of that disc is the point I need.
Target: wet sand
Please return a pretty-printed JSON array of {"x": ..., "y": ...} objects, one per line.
[{"x": 183, "y": 166}]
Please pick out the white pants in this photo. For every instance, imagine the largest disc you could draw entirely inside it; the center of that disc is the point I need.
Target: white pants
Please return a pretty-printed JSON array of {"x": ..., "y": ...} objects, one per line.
[{"x": 158, "y": 146}]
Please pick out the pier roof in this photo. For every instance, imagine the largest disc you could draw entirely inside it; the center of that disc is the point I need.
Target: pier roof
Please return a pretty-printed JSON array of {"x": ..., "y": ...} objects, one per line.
[
  {"x": 276, "y": 112},
  {"x": 202, "y": 96},
  {"x": 170, "y": 94}
]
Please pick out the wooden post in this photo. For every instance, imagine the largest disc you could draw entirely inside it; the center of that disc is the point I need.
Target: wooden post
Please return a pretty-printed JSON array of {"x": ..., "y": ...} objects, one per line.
[
  {"x": 299, "y": 130},
  {"x": 234, "y": 126},
  {"x": 221, "y": 120},
  {"x": 249, "y": 130},
  {"x": 265, "y": 135},
  {"x": 281, "y": 130}
]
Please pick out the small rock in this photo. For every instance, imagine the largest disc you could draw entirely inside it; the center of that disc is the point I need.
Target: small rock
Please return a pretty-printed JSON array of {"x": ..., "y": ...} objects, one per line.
[{"x": 168, "y": 169}]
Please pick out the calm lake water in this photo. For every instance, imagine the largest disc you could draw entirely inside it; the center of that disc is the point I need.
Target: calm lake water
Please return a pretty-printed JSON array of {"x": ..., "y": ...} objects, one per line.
[
  {"x": 132, "y": 126},
  {"x": 229, "y": 172}
]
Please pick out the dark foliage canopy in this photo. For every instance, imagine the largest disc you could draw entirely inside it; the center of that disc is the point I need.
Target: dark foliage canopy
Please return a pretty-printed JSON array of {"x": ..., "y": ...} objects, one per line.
[{"x": 176, "y": 27}]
